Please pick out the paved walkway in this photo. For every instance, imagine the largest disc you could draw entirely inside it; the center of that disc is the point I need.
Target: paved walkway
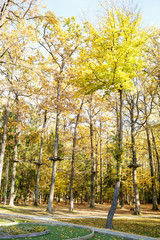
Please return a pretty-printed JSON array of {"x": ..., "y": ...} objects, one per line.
[{"x": 49, "y": 219}]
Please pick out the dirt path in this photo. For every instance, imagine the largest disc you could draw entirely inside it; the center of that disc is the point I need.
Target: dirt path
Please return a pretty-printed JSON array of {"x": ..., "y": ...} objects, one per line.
[{"x": 81, "y": 210}]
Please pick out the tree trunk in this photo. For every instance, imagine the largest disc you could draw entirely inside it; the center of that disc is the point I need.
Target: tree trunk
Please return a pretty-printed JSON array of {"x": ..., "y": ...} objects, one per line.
[
  {"x": 51, "y": 194},
  {"x": 40, "y": 160},
  {"x": 66, "y": 196},
  {"x": 113, "y": 207},
  {"x": 92, "y": 204},
  {"x": 154, "y": 197},
  {"x": 121, "y": 196},
  {"x": 101, "y": 177},
  {"x": 117, "y": 185},
  {"x": 6, "y": 183},
  {"x": 82, "y": 196},
  {"x": 137, "y": 210},
  {"x": 134, "y": 158},
  {"x": 158, "y": 162},
  {"x": 96, "y": 175},
  {"x": 144, "y": 195},
  {"x": 12, "y": 191},
  {"x": 4, "y": 136},
  {"x": 73, "y": 156}
]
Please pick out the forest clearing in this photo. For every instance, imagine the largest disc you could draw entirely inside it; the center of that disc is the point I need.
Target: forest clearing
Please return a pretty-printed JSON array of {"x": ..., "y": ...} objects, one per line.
[{"x": 148, "y": 224}]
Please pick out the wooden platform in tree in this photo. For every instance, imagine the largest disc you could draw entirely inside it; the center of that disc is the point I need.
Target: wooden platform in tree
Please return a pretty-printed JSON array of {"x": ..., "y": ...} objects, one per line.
[
  {"x": 55, "y": 159},
  {"x": 133, "y": 165}
]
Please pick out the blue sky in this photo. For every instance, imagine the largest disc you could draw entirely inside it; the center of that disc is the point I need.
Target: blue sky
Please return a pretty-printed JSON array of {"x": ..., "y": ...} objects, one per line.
[{"x": 91, "y": 8}]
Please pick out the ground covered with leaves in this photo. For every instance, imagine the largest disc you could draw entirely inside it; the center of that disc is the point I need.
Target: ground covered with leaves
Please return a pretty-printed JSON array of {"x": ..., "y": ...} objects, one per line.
[{"x": 143, "y": 227}]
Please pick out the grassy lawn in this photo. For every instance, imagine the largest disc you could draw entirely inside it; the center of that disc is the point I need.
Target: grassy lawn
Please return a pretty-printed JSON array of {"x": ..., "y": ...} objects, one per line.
[
  {"x": 145, "y": 227},
  {"x": 56, "y": 232}
]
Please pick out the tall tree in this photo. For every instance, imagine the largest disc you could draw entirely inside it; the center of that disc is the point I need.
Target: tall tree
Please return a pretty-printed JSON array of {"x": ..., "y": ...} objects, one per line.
[
  {"x": 101, "y": 174},
  {"x": 110, "y": 61},
  {"x": 15, "y": 71},
  {"x": 60, "y": 39},
  {"x": 93, "y": 166},
  {"x": 118, "y": 157}
]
